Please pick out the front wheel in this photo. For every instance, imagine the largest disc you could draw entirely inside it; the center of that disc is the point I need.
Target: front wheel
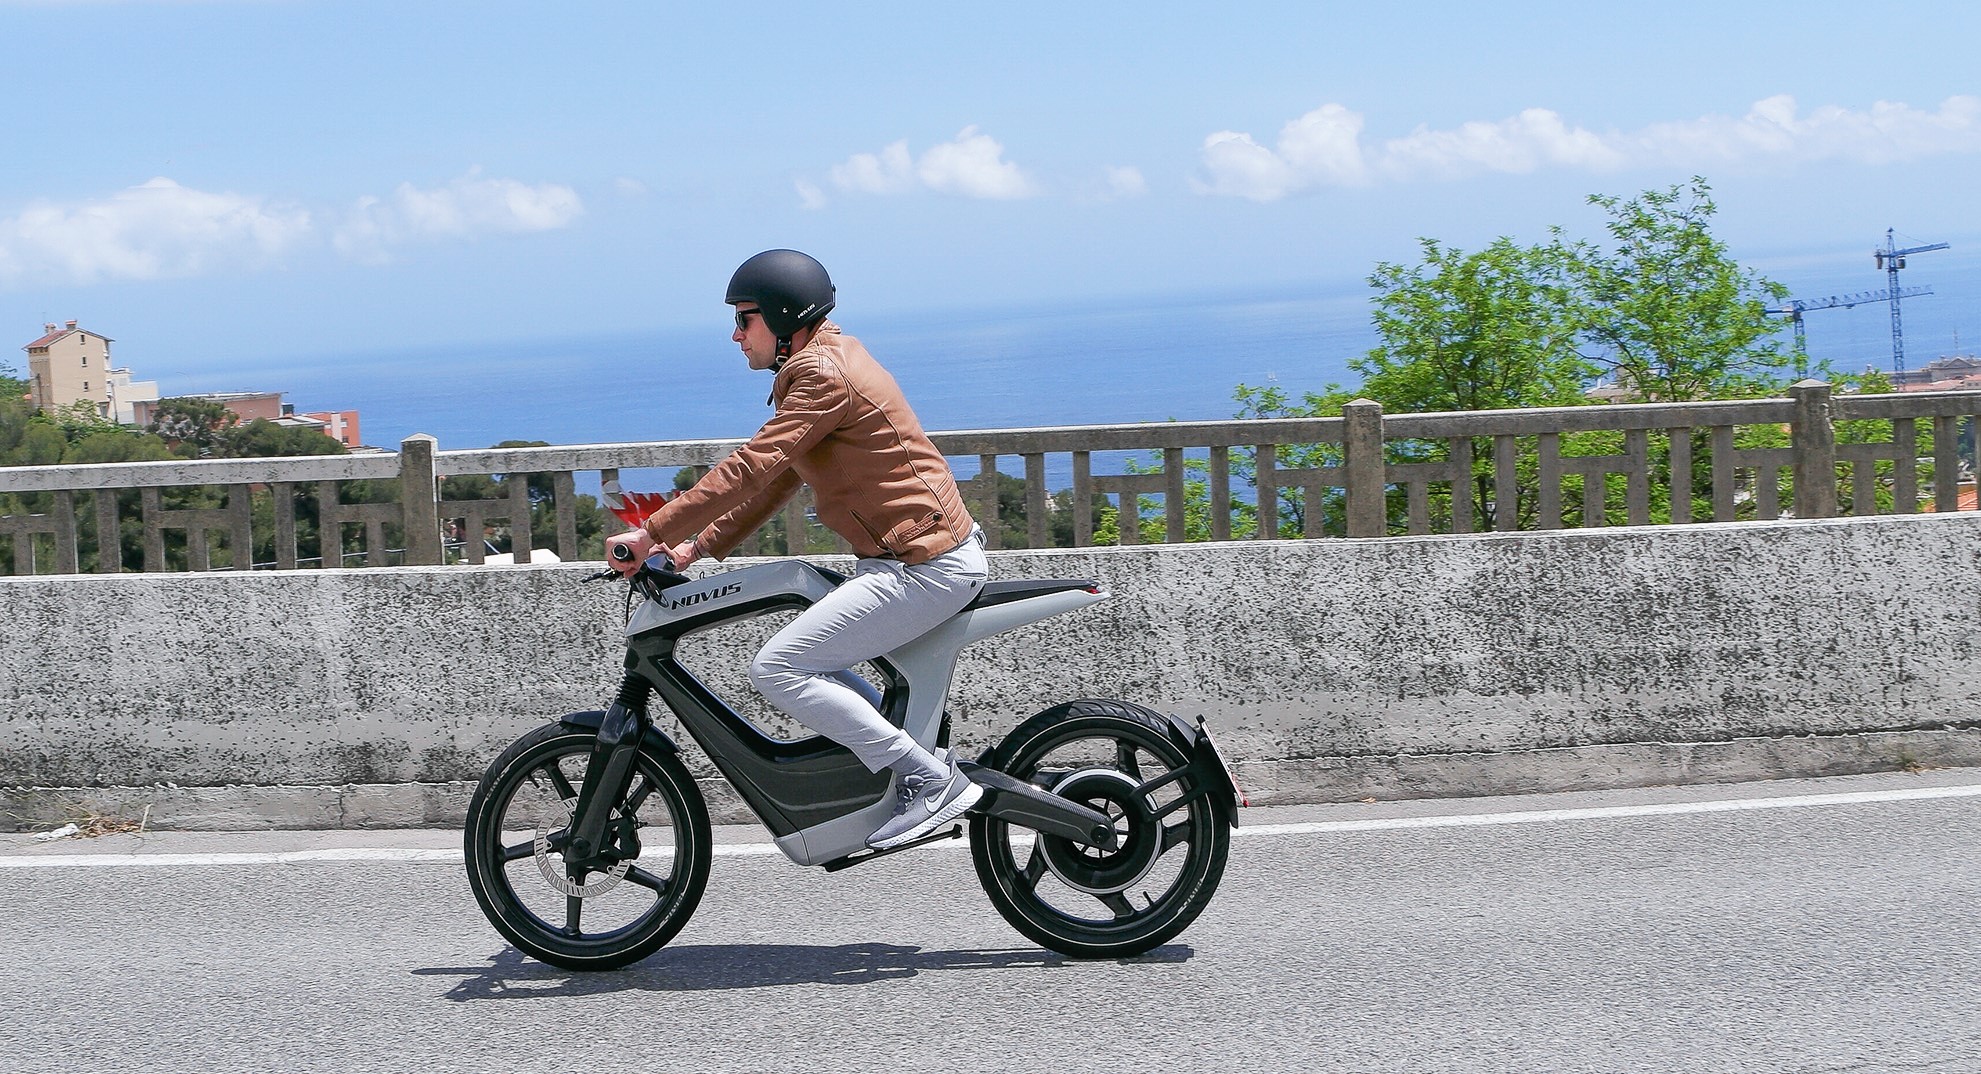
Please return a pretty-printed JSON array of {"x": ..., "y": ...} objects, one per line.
[
  {"x": 618, "y": 908},
  {"x": 1172, "y": 834}
]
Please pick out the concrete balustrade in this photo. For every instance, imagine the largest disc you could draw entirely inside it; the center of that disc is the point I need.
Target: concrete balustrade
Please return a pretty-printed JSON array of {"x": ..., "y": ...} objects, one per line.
[
  {"x": 1332, "y": 670},
  {"x": 1373, "y": 474}
]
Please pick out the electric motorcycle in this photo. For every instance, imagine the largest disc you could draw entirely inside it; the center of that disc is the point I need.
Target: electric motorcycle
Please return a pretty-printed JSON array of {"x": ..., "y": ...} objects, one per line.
[{"x": 1102, "y": 831}]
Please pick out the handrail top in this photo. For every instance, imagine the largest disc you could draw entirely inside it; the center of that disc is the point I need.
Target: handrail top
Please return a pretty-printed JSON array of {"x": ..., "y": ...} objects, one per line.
[{"x": 1132, "y": 436}]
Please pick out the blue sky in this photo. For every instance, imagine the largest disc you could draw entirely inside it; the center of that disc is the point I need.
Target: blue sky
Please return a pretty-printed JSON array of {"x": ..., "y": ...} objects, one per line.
[{"x": 220, "y": 183}]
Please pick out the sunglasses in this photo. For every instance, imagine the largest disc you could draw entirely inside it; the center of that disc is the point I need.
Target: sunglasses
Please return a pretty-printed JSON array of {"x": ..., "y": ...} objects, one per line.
[{"x": 743, "y": 318}]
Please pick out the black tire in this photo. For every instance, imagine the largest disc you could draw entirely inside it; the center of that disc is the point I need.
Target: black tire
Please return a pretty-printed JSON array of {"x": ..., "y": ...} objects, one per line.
[
  {"x": 596, "y": 920},
  {"x": 1081, "y": 900}
]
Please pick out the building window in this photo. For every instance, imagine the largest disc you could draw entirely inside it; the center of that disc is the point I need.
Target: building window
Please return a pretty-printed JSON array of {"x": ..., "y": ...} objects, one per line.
[{"x": 85, "y": 385}]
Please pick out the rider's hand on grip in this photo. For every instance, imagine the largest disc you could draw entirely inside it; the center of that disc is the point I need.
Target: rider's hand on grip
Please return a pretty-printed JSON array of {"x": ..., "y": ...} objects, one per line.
[{"x": 624, "y": 552}]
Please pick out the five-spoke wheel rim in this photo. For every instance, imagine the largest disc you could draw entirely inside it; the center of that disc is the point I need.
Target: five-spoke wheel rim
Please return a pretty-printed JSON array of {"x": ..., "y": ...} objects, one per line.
[{"x": 1170, "y": 839}]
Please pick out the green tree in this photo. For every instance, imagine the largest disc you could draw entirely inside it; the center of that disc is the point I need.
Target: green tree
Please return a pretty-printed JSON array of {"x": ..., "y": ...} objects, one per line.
[
  {"x": 1675, "y": 317},
  {"x": 1491, "y": 330},
  {"x": 116, "y": 444},
  {"x": 1662, "y": 306},
  {"x": 15, "y": 414},
  {"x": 1479, "y": 331},
  {"x": 80, "y": 420},
  {"x": 193, "y": 428},
  {"x": 41, "y": 444},
  {"x": 262, "y": 438}
]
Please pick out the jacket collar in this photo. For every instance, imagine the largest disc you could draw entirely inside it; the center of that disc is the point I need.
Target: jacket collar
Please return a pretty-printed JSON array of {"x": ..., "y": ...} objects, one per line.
[{"x": 825, "y": 328}]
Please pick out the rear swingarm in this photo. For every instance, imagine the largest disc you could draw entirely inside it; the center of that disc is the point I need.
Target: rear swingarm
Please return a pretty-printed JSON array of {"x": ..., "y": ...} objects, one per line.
[{"x": 1012, "y": 799}]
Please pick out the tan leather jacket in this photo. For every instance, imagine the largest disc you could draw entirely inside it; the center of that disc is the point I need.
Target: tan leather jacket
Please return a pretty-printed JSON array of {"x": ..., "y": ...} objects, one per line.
[{"x": 842, "y": 427}]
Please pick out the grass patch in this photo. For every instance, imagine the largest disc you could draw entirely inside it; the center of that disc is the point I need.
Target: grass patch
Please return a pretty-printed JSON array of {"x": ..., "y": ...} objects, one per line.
[{"x": 90, "y": 821}]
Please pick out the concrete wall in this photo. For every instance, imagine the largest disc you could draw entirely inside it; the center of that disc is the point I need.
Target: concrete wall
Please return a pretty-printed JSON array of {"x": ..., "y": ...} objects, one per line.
[{"x": 1332, "y": 669}]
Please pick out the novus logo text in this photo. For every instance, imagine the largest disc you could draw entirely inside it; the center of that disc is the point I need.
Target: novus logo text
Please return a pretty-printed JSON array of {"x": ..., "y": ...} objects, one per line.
[{"x": 704, "y": 597}]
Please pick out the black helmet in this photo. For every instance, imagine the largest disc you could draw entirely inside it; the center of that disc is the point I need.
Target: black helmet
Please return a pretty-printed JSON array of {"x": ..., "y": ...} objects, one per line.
[{"x": 790, "y": 288}]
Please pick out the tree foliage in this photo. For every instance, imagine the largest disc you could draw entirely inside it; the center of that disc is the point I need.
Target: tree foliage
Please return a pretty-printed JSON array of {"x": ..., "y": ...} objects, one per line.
[
  {"x": 79, "y": 435},
  {"x": 1659, "y": 305},
  {"x": 193, "y": 427},
  {"x": 1476, "y": 331},
  {"x": 1673, "y": 315}
]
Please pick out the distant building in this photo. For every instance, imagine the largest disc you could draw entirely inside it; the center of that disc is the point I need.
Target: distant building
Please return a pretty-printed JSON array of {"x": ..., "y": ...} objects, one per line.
[
  {"x": 246, "y": 406},
  {"x": 70, "y": 365},
  {"x": 1948, "y": 373},
  {"x": 339, "y": 425},
  {"x": 126, "y": 395}
]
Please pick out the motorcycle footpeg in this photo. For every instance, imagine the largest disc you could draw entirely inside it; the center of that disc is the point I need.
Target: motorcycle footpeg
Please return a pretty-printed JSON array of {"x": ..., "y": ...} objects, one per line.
[
  {"x": 1011, "y": 799},
  {"x": 954, "y": 831}
]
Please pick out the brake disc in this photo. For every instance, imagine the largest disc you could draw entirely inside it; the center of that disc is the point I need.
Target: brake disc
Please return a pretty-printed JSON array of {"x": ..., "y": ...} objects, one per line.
[{"x": 551, "y": 863}]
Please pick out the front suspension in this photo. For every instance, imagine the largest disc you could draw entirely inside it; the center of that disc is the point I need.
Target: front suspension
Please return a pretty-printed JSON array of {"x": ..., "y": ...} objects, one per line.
[{"x": 610, "y": 772}]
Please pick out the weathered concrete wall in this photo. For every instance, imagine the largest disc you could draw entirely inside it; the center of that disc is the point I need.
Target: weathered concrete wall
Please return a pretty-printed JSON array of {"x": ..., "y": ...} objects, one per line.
[{"x": 1336, "y": 668}]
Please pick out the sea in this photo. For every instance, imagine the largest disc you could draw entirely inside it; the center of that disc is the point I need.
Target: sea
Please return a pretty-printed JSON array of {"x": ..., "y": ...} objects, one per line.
[{"x": 1098, "y": 361}]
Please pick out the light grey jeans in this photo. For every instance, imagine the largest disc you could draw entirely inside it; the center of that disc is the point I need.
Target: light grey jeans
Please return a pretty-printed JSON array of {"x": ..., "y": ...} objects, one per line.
[{"x": 804, "y": 669}]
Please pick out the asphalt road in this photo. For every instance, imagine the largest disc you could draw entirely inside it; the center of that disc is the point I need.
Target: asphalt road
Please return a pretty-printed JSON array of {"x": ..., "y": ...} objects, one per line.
[{"x": 1531, "y": 935}]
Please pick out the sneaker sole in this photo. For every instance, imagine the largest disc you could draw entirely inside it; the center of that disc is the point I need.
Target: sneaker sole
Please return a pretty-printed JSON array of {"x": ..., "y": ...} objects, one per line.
[{"x": 954, "y": 808}]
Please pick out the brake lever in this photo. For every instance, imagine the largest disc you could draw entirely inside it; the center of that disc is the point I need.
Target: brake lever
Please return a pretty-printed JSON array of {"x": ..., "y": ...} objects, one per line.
[{"x": 660, "y": 568}]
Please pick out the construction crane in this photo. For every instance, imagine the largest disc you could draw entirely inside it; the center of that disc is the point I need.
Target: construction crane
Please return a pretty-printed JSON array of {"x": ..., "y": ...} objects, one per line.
[
  {"x": 1891, "y": 259},
  {"x": 1794, "y": 308}
]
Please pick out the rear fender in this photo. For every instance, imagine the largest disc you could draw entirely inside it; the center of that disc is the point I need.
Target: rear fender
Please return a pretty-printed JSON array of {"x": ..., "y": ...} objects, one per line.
[
  {"x": 1205, "y": 764},
  {"x": 1210, "y": 765}
]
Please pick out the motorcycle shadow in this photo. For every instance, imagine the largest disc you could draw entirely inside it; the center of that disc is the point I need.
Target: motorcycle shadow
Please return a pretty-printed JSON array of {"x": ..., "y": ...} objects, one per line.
[{"x": 512, "y": 975}]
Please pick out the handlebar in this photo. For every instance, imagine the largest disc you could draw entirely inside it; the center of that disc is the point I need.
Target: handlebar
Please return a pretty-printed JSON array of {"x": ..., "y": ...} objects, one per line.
[{"x": 656, "y": 574}]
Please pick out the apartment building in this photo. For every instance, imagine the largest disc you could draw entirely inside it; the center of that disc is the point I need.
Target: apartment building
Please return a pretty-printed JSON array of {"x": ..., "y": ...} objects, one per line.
[{"x": 69, "y": 365}]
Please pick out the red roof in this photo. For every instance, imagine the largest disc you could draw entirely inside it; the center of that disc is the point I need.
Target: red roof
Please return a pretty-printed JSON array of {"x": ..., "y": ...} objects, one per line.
[
  {"x": 1950, "y": 384},
  {"x": 59, "y": 333},
  {"x": 1968, "y": 501}
]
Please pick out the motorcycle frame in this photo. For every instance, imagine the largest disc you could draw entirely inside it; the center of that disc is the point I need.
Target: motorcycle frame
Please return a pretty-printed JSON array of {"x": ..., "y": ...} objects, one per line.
[{"x": 819, "y": 802}]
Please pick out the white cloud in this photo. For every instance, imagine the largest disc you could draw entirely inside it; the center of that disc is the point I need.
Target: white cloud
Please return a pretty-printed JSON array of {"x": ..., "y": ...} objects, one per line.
[
  {"x": 1126, "y": 182},
  {"x": 155, "y": 230},
  {"x": 809, "y": 194},
  {"x": 1322, "y": 146},
  {"x": 159, "y": 229},
  {"x": 1325, "y": 147},
  {"x": 971, "y": 165},
  {"x": 629, "y": 187},
  {"x": 465, "y": 208},
  {"x": 1887, "y": 131},
  {"x": 891, "y": 171},
  {"x": 1533, "y": 139}
]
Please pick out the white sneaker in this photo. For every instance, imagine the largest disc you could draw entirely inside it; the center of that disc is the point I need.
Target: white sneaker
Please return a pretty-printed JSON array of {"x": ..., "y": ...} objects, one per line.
[{"x": 925, "y": 803}]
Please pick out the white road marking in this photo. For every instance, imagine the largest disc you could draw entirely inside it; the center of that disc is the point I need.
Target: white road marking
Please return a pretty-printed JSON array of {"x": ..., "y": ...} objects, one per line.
[
  {"x": 401, "y": 855},
  {"x": 1547, "y": 816}
]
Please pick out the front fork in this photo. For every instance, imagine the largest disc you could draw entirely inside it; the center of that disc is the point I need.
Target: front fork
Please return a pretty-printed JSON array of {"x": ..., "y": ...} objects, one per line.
[{"x": 610, "y": 772}]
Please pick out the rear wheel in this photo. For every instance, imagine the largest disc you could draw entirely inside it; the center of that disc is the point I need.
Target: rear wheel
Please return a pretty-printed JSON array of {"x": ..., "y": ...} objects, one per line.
[
  {"x": 617, "y": 908},
  {"x": 1172, "y": 836}
]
